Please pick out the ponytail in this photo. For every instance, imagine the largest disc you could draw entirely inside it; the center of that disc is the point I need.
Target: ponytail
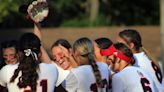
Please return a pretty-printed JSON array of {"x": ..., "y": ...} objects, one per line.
[
  {"x": 150, "y": 56},
  {"x": 86, "y": 49},
  {"x": 95, "y": 69},
  {"x": 27, "y": 70}
]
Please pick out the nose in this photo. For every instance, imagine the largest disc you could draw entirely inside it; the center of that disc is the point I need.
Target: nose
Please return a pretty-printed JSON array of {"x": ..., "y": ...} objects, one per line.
[
  {"x": 8, "y": 58},
  {"x": 58, "y": 57}
]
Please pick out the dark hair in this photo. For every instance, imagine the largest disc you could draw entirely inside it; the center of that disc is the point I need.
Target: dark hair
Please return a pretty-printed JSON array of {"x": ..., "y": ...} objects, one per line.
[
  {"x": 8, "y": 44},
  {"x": 103, "y": 43},
  {"x": 85, "y": 47},
  {"x": 131, "y": 35},
  {"x": 124, "y": 50},
  {"x": 5, "y": 45},
  {"x": 62, "y": 42},
  {"x": 29, "y": 65}
]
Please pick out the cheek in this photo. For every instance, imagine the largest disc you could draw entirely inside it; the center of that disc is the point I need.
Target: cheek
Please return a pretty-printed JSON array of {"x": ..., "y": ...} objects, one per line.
[
  {"x": 108, "y": 61},
  {"x": 77, "y": 59},
  {"x": 56, "y": 57},
  {"x": 115, "y": 67}
]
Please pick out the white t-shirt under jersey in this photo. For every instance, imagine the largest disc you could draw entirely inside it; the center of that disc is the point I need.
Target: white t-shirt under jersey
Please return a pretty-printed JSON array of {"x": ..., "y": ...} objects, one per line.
[
  {"x": 132, "y": 79},
  {"x": 145, "y": 63},
  {"x": 82, "y": 79},
  {"x": 47, "y": 78}
]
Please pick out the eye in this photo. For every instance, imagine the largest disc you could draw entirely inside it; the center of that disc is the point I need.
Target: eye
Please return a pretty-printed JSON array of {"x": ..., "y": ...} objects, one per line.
[
  {"x": 108, "y": 58},
  {"x": 54, "y": 57}
]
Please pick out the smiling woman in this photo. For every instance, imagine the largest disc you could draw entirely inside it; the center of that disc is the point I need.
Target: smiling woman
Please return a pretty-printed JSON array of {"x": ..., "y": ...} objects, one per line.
[
  {"x": 59, "y": 58},
  {"x": 122, "y": 60},
  {"x": 29, "y": 75},
  {"x": 62, "y": 54},
  {"x": 9, "y": 51}
]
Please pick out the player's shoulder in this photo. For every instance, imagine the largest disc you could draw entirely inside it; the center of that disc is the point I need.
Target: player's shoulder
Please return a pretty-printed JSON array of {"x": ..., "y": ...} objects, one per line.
[
  {"x": 141, "y": 56},
  {"x": 44, "y": 66},
  {"x": 129, "y": 70},
  {"x": 81, "y": 68},
  {"x": 117, "y": 76},
  {"x": 102, "y": 64},
  {"x": 9, "y": 67}
]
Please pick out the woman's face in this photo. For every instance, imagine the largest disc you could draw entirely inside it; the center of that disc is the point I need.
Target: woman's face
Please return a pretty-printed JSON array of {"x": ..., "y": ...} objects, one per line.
[
  {"x": 77, "y": 57},
  {"x": 59, "y": 58},
  {"x": 115, "y": 63},
  {"x": 10, "y": 55}
]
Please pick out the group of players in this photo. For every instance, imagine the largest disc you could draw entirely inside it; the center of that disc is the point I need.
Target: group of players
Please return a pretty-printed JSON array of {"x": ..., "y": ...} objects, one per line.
[{"x": 87, "y": 66}]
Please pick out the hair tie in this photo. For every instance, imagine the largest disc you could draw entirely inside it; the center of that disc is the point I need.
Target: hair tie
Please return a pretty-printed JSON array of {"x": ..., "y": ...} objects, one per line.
[{"x": 27, "y": 52}]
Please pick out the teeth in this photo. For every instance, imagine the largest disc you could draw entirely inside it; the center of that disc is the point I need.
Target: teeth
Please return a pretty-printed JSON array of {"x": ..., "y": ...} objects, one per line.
[{"x": 60, "y": 62}]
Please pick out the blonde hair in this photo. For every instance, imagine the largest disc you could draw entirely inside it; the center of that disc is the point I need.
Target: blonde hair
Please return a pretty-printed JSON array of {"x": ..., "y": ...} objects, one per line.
[{"x": 86, "y": 49}]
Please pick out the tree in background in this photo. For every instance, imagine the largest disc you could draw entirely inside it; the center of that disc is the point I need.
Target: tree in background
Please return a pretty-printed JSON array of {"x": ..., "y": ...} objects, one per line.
[{"x": 82, "y": 13}]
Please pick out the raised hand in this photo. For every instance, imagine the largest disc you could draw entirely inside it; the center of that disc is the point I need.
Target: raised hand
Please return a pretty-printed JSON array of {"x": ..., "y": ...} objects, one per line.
[{"x": 38, "y": 10}]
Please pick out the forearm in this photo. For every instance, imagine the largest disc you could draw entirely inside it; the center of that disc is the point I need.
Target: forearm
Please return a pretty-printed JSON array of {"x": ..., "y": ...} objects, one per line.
[
  {"x": 44, "y": 56},
  {"x": 37, "y": 30}
]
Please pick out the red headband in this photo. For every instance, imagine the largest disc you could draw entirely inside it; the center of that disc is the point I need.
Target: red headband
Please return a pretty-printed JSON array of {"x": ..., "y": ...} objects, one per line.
[
  {"x": 112, "y": 50},
  {"x": 109, "y": 51}
]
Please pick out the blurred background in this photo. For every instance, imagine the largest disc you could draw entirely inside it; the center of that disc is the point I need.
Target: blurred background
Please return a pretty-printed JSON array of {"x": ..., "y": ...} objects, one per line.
[
  {"x": 72, "y": 19},
  {"x": 84, "y": 13}
]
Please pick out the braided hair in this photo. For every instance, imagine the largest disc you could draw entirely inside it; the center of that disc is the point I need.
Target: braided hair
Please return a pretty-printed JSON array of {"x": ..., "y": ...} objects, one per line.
[{"x": 85, "y": 47}]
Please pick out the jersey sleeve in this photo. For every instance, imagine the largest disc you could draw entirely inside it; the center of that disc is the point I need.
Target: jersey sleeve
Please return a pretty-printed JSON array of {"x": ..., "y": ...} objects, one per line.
[
  {"x": 62, "y": 74},
  {"x": 3, "y": 76},
  {"x": 117, "y": 84},
  {"x": 71, "y": 83}
]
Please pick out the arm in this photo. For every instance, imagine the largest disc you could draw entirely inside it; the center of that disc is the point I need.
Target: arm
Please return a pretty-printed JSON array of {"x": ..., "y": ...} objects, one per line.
[
  {"x": 69, "y": 56},
  {"x": 38, "y": 17},
  {"x": 45, "y": 58}
]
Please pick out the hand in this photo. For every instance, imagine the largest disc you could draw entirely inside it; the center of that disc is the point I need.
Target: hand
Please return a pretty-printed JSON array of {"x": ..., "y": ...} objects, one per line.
[
  {"x": 65, "y": 51},
  {"x": 68, "y": 55},
  {"x": 38, "y": 10}
]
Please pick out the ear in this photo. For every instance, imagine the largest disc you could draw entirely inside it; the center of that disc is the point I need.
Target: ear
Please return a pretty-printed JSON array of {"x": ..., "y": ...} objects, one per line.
[{"x": 131, "y": 45}]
